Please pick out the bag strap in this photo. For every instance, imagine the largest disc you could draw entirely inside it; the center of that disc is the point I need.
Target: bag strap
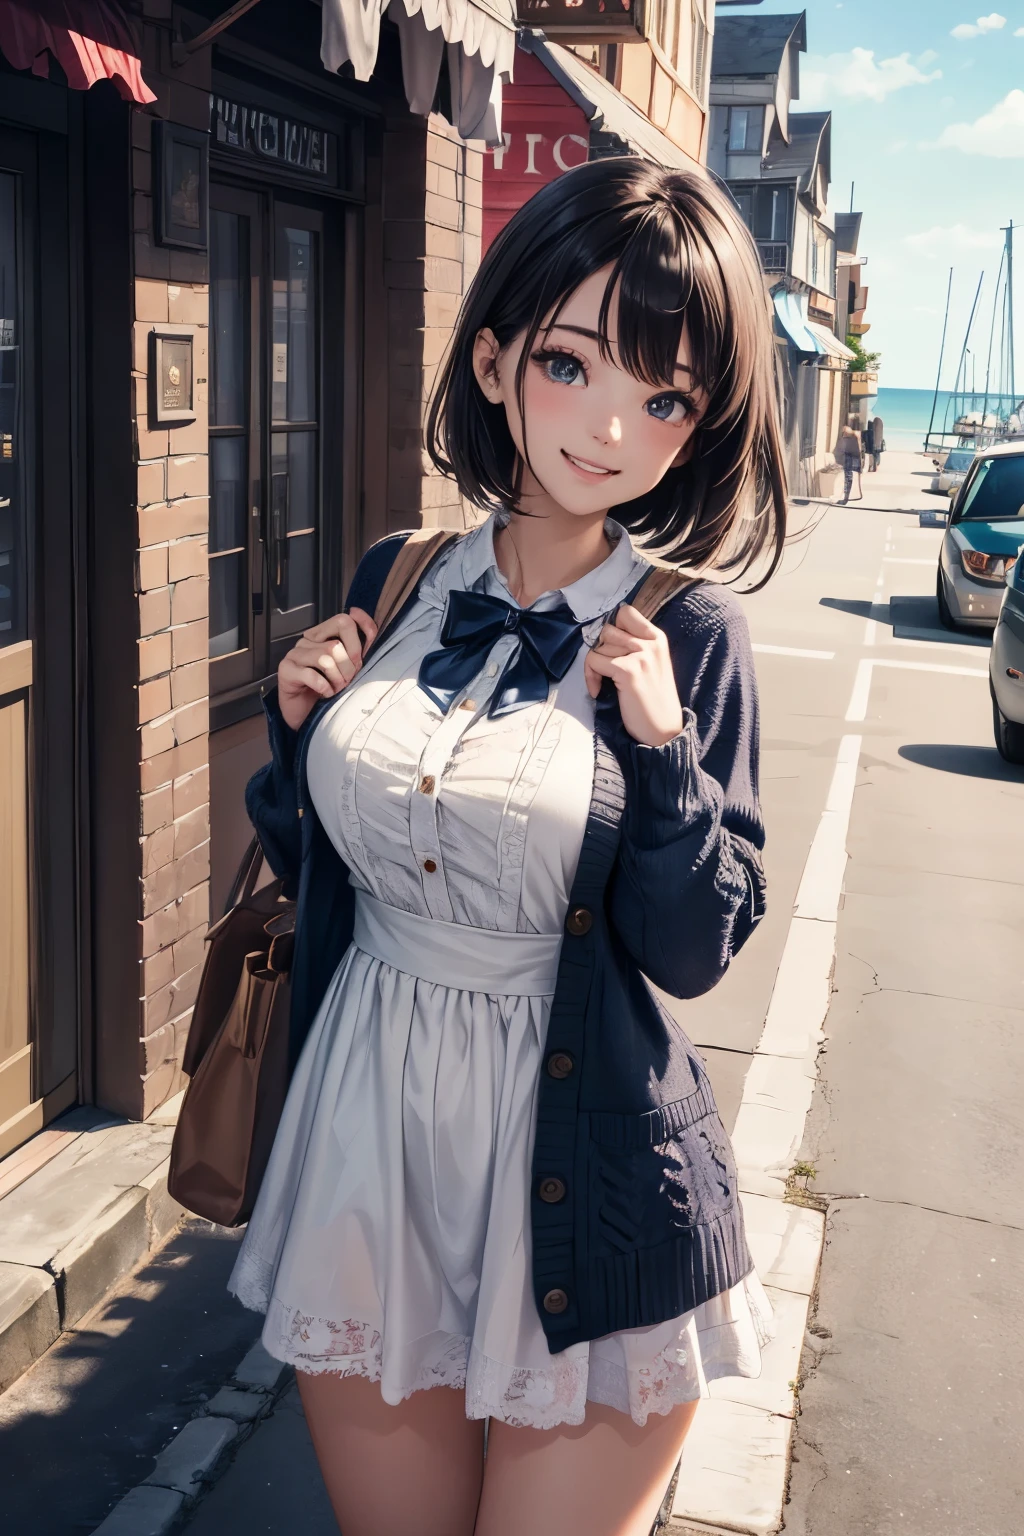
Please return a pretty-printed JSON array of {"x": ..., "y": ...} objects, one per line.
[
  {"x": 419, "y": 551},
  {"x": 659, "y": 586},
  {"x": 246, "y": 876}
]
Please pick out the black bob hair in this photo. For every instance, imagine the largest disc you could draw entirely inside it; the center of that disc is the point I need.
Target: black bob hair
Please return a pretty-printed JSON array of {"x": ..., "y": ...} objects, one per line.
[{"x": 680, "y": 255}]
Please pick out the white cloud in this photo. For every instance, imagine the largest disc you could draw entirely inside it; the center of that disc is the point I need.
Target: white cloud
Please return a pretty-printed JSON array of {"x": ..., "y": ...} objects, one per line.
[
  {"x": 1019, "y": 32},
  {"x": 991, "y": 23},
  {"x": 944, "y": 240},
  {"x": 859, "y": 77},
  {"x": 998, "y": 133}
]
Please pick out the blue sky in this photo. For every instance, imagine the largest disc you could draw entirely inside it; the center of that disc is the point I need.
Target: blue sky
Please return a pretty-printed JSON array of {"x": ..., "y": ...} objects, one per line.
[{"x": 928, "y": 104}]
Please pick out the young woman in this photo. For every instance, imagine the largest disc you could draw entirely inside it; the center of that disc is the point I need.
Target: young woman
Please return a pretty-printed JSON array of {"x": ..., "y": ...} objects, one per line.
[{"x": 500, "y": 1190}]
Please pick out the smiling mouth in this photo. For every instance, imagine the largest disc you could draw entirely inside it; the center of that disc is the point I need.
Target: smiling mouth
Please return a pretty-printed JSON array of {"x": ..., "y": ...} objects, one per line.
[{"x": 584, "y": 465}]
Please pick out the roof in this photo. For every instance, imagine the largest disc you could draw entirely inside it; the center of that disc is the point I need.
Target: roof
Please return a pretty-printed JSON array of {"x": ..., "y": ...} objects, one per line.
[
  {"x": 606, "y": 109},
  {"x": 848, "y": 231},
  {"x": 810, "y": 145},
  {"x": 755, "y": 45}
]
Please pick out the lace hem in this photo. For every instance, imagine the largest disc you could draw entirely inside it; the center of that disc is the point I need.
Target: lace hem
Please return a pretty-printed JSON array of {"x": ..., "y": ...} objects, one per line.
[{"x": 522, "y": 1397}]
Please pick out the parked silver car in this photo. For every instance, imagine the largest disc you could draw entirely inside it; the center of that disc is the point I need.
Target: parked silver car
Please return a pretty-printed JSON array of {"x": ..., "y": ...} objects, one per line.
[
  {"x": 1006, "y": 670},
  {"x": 951, "y": 475},
  {"x": 986, "y": 530}
]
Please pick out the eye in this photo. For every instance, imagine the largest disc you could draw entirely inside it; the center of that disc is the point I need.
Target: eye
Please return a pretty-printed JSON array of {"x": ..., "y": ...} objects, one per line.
[
  {"x": 670, "y": 407},
  {"x": 561, "y": 367}
]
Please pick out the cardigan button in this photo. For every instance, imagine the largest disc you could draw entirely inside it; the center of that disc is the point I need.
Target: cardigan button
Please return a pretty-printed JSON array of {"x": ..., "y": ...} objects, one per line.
[
  {"x": 430, "y": 866},
  {"x": 579, "y": 921},
  {"x": 560, "y": 1064},
  {"x": 556, "y": 1301},
  {"x": 552, "y": 1190}
]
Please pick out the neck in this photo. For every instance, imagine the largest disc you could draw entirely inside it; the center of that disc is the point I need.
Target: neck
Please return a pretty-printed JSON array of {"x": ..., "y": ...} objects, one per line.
[{"x": 544, "y": 547}]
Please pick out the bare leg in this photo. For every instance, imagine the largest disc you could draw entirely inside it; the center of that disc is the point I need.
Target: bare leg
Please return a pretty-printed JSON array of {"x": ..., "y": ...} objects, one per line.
[
  {"x": 390, "y": 1470},
  {"x": 606, "y": 1477}
]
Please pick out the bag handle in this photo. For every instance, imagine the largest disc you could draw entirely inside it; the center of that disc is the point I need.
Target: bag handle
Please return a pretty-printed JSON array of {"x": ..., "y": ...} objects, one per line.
[
  {"x": 246, "y": 876},
  {"x": 419, "y": 551}
]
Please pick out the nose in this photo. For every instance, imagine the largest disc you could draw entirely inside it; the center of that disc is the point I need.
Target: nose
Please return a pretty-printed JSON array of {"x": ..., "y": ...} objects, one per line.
[{"x": 611, "y": 432}]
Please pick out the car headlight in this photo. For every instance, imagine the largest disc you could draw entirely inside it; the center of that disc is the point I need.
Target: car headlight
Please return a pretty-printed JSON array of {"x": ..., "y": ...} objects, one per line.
[{"x": 993, "y": 568}]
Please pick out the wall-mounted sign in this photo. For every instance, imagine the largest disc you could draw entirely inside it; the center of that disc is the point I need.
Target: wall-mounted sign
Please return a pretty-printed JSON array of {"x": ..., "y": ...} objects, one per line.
[
  {"x": 181, "y": 190},
  {"x": 271, "y": 136},
  {"x": 544, "y": 134},
  {"x": 584, "y": 21},
  {"x": 171, "y": 379}
]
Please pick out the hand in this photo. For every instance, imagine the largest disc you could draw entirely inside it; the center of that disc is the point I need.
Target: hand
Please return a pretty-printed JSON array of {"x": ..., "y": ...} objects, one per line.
[
  {"x": 322, "y": 663},
  {"x": 634, "y": 653}
]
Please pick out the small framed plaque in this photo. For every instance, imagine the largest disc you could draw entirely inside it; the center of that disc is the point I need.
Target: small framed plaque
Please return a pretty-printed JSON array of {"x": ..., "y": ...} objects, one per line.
[
  {"x": 181, "y": 186},
  {"x": 171, "y": 377}
]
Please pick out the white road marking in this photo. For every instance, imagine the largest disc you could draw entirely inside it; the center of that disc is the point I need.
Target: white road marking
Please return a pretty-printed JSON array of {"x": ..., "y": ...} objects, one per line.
[
  {"x": 793, "y": 650},
  {"x": 735, "y": 1460},
  {"x": 858, "y": 705}
]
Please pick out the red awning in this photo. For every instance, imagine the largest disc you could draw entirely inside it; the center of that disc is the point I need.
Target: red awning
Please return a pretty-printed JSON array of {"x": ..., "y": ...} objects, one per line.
[{"x": 90, "y": 39}]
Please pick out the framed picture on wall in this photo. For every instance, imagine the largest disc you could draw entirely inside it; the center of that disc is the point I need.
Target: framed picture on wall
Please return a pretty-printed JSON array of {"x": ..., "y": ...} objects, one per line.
[
  {"x": 181, "y": 186},
  {"x": 171, "y": 377}
]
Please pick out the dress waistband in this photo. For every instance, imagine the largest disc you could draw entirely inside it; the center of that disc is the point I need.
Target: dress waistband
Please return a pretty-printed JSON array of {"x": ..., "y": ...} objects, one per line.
[{"x": 455, "y": 955}]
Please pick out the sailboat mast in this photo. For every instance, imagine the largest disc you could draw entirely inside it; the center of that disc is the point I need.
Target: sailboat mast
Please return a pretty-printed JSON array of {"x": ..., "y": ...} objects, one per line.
[
  {"x": 938, "y": 376},
  {"x": 1009, "y": 291}
]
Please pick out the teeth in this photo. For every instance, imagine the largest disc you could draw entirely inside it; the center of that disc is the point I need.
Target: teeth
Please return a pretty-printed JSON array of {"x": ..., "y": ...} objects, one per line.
[{"x": 593, "y": 469}]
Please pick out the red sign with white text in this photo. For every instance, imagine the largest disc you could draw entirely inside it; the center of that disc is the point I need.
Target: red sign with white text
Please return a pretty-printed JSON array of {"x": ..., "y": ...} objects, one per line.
[{"x": 545, "y": 134}]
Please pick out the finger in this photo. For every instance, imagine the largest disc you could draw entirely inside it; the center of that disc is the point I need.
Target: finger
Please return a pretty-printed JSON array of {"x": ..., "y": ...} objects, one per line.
[
  {"x": 591, "y": 677},
  {"x": 616, "y": 642},
  {"x": 315, "y": 681},
  {"x": 346, "y": 663},
  {"x": 618, "y": 668},
  {"x": 633, "y": 622},
  {"x": 326, "y": 664},
  {"x": 366, "y": 624}
]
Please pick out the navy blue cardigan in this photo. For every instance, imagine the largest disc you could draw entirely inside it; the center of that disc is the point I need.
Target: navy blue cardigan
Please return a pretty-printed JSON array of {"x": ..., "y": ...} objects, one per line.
[{"x": 669, "y": 886}]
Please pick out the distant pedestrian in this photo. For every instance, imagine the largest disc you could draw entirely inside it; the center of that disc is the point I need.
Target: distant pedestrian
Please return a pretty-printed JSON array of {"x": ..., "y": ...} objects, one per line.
[
  {"x": 848, "y": 457},
  {"x": 877, "y": 442}
]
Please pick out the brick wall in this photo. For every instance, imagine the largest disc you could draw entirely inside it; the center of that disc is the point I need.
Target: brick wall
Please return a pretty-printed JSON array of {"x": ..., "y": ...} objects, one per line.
[
  {"x": 433, "y": 202},
  {"x": 172, "y": 588}
]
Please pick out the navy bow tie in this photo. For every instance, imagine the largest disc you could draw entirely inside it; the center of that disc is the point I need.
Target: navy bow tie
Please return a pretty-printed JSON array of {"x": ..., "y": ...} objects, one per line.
[{"x": 548, "y": 643}]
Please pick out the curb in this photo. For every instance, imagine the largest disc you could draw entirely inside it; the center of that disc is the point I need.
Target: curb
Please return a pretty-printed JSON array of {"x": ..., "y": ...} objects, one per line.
[
  {"x": 200, "y": 1451},
  {"x": 77, "y": 1226}
]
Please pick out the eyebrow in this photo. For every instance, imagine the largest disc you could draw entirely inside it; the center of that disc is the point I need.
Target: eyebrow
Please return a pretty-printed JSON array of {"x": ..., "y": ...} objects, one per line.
[{"x": 580, "y": 330}]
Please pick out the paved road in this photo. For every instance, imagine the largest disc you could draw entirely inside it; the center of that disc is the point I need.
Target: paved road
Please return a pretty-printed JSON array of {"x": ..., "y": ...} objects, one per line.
[{"x": 911, "y": 1398}]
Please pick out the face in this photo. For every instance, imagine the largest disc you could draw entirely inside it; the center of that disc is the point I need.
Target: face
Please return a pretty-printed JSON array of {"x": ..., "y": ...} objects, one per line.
[{"x": 595, "y": 435}]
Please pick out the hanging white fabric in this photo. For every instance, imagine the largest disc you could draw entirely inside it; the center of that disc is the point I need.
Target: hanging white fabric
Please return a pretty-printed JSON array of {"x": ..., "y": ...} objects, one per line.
[{"x": 481, "y": 40}]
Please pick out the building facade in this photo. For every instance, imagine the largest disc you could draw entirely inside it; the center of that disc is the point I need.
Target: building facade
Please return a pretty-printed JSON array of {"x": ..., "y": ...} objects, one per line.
[{"x": 777, "y": 163}]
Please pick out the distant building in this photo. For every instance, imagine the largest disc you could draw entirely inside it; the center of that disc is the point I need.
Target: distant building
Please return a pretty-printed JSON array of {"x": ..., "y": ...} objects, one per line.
[
  {"x": 851, "y": 305},
  {"x": 777, "y": 164}
]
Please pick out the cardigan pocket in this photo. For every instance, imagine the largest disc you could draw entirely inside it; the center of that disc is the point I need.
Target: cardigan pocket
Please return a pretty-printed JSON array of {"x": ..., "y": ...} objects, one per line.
[{"x": 662, "y": 1172}]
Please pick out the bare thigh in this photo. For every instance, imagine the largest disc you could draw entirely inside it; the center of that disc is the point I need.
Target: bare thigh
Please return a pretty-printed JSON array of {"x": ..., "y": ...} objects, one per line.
[
  {"x": 389, "y": 1470},
  {"x": 606, "y": 1477}
]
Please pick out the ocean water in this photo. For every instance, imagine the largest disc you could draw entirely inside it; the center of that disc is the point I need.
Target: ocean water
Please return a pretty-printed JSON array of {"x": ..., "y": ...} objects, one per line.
[{"x": 906, "y": 413}]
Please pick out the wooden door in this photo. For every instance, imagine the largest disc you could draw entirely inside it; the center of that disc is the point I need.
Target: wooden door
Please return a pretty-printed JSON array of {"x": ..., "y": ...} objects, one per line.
[
  {"x": 16, "y": 1074},
  {"x": 276, "y": 282}
]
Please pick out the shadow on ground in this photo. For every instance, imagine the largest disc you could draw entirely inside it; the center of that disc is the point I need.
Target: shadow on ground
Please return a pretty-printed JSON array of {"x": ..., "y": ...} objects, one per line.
[
  {"x": 84, "y": 1424},
  {"x": 971, "y": 762}
]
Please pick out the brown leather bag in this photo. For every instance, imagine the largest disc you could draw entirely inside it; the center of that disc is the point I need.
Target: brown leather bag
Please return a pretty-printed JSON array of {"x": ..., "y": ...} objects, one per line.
[
  {"x": 237, "y": 1049},
  {"x": 237, "y": 1053}
]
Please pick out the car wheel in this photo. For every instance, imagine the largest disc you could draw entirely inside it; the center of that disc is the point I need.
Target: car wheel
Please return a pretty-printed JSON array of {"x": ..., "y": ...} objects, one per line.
[
  {"x": 1009, "y": 736},
  {"x": 945, "y": 612}
]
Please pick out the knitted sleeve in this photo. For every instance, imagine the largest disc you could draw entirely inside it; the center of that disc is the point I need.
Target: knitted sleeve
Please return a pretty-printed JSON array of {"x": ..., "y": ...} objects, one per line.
[{"x": 689, "y": 886}]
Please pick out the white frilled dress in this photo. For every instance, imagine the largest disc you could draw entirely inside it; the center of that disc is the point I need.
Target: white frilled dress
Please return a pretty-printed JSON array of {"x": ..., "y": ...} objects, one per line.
[{"x": 391, "y": 1237}]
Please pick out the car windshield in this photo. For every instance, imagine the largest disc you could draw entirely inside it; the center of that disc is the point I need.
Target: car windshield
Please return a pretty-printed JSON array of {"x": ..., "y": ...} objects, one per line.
[
  {"x": 996, "y": 493},
  {"x": 960, "y": 461}
]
